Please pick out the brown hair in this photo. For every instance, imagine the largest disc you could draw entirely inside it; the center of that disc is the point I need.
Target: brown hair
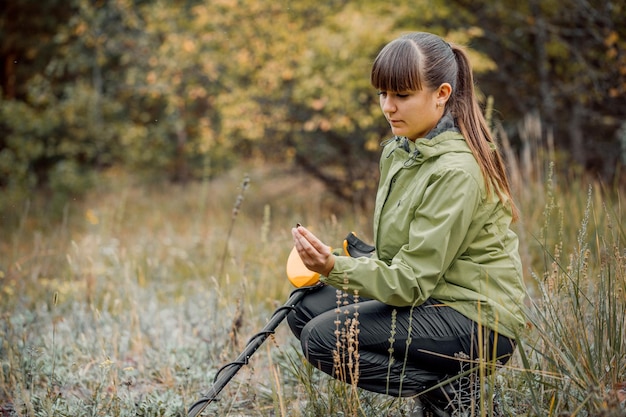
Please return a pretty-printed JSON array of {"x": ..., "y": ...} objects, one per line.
[{"x": 422, "y": 60}]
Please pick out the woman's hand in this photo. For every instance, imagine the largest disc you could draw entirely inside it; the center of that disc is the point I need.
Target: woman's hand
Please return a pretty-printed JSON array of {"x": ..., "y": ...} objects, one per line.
[{"x": 315, "y": 255}]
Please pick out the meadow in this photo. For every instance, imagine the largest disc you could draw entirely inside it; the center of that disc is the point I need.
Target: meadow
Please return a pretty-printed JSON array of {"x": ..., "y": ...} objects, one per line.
[{"x": 127, "y": 301}]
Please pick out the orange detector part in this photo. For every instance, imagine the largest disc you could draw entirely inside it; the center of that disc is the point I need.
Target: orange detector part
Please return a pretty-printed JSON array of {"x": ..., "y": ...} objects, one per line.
[{"x": 297, "y": 273}]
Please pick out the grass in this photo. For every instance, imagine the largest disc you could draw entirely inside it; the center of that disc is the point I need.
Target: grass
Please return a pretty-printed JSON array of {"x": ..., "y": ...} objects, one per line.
[{"x": 127, "y": 302}]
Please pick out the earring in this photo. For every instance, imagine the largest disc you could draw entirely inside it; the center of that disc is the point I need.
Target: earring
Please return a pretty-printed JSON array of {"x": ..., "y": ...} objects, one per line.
[{"x": 439, "y": 104}]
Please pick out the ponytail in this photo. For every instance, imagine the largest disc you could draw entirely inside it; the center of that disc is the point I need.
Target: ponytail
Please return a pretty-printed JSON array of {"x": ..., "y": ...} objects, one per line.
[{"x": 463, "y": 104}]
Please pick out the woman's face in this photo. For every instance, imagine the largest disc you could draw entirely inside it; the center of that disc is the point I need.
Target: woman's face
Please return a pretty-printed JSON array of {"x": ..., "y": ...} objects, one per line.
[{"x": 413, "y": 113}]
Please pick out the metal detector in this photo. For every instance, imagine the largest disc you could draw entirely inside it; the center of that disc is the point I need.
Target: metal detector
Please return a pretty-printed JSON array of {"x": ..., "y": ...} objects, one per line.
[{"x": 305, "y": 281}]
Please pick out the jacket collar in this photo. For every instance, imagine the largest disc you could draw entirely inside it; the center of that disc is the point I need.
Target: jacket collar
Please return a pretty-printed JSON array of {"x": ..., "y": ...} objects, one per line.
[
  {"x": 443, "y": 138},
  {"x": 445, "y": 124}
]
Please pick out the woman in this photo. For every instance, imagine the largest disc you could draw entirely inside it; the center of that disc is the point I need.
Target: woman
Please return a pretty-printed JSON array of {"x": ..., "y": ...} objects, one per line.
[{"x": 444, "y": 289}]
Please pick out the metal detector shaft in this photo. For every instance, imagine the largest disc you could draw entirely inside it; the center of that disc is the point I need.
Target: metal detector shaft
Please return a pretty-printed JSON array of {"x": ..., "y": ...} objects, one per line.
[{"x": 228, "y": 371}]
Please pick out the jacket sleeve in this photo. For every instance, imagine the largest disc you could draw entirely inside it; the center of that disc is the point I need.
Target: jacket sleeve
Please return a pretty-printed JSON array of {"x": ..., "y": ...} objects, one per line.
[{"x": 436, "y": 237}]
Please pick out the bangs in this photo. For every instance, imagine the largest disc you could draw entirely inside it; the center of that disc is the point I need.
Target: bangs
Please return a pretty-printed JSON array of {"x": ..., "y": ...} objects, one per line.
[{"x": 397, "y": 67}]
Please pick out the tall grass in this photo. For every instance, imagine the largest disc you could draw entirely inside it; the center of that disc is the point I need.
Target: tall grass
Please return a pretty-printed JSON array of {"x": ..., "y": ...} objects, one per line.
[
  {"x": 574, "y": 358},
  {"x": 126, "y": 303}
]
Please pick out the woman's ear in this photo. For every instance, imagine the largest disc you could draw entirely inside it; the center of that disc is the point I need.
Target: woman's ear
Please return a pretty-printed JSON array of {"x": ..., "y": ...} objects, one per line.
[{"x": 443, "y": 92}]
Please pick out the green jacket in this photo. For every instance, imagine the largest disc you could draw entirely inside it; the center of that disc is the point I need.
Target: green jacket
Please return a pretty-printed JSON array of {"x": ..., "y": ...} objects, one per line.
[{"x": 438, "y": 234}]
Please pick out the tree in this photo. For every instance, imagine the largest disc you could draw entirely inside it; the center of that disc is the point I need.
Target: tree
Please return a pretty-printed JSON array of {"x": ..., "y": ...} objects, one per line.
[
  {"x": 57, "y": 123},
  {"x": 180, "y": 89},
  {"x": 564, "y": 60},
  {"x": 302, "y": 76}
]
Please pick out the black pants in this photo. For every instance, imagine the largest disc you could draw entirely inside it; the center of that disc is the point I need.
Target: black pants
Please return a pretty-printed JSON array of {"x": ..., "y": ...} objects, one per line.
[{"x": 401, "y": 351}]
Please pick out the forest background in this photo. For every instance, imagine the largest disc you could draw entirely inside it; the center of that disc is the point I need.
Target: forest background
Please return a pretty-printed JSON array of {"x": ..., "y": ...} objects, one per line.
[
  {"x": 181, "y": 90},
  {"x": 130, "y": 131}
]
